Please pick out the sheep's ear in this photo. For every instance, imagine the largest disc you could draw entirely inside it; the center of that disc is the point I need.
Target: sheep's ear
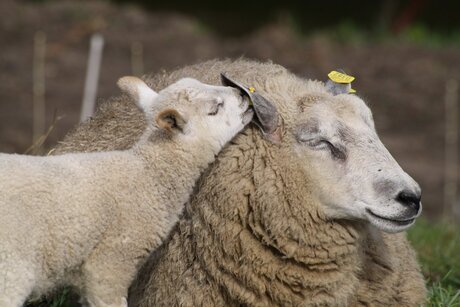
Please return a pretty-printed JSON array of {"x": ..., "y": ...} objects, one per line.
[
  {"x": 138, "y": 90},
  {"x": 266, "y": 118},
  {"x": 266, "y": 114},
  {"x": 171, "y": 120}
]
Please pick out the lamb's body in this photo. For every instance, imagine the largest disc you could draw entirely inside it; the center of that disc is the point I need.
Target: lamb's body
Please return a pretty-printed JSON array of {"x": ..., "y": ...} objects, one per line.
[
  {"x": 77, "y": 197},
  {"x": 91, "y": 219},
  {"x": 253, "y": 234}
]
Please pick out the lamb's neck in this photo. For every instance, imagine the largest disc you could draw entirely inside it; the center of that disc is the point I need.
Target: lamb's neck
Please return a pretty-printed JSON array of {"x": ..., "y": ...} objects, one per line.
[{"x": 176, "y": 164}]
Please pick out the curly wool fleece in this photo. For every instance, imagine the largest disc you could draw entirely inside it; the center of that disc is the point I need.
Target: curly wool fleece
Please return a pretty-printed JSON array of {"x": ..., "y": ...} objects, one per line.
[{"x": 253, "y": 234}]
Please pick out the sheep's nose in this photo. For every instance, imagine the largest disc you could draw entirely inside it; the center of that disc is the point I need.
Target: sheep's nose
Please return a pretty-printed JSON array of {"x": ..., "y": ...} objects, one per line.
[{"x": 410, "y": 200}]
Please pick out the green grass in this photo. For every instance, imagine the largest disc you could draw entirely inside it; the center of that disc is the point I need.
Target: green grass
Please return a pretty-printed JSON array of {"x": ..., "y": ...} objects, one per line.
[
  {"x": 423, "y": 36},
  {"x": 439, "y": 295},
  {"x": 438, "y": 249},
  {"x": 61, "y": 299}
]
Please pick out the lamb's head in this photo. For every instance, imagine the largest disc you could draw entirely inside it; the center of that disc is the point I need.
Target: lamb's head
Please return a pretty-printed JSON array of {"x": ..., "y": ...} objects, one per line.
[
  {"x": 355, "y": 177},
  {"x": 191, "y": 111}
]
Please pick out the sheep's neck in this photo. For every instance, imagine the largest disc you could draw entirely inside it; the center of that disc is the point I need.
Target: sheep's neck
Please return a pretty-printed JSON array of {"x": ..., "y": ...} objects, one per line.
[{"x": 265, "y": 232}]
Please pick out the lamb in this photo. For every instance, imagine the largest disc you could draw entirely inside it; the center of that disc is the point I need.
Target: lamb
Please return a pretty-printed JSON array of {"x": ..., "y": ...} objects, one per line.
[
  {"x": 91, "y": 219},
  {"x": 316, "y": 219}
]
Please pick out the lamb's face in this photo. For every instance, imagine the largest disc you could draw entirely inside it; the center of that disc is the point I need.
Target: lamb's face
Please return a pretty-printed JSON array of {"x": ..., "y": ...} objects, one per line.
[
  {"x": 213, "y": 114},
  {"x": 191, "y": 111},
  {"x": 356, "y": 176}
]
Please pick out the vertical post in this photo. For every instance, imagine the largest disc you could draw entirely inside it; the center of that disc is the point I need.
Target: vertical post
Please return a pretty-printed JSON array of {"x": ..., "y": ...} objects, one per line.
[
  {"x": 451, "y": 209},
  {"x": 137, "y": 59},
  {"x": 92, "y": 76},
  {"x": 386, "y": 14},
  {"x": 39, "y": 85}
]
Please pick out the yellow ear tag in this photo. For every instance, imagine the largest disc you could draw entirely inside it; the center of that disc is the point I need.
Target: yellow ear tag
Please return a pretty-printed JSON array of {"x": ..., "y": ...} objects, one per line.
[
  {"x": 252, "y": 90},
  {"x": 339, "y": 77},
  {"x": 351, "y": 91}
]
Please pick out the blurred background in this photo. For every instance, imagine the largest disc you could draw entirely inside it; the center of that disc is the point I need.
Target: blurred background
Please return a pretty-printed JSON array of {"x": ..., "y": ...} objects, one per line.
[{"x": 405, "y": 56}]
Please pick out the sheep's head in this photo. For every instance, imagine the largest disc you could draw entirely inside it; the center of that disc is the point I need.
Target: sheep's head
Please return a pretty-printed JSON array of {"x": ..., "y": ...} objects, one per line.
[
  {"x": 192, "y": 111},
  {"x": 350, "y": 172},
  {"x": 354, "y": 175}
]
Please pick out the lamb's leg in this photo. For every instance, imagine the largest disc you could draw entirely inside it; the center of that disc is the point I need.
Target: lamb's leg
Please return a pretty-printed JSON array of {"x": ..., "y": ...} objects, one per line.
[
  {"x": 110, "y": 270},
  {"x": 98, "y": 302},
  {"x": 17, "y": 280},
  {"x": 107, "y": 279}
]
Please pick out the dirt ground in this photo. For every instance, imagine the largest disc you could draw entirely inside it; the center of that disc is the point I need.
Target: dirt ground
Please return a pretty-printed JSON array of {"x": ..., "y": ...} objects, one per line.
[{"x": 403, "y": 84}]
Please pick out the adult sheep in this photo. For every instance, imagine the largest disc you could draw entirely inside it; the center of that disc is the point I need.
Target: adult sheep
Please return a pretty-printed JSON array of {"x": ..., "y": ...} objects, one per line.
[{"x": 295, "y": 223}]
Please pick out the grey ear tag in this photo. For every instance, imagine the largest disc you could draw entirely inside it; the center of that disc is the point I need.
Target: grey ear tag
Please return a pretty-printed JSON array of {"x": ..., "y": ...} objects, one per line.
[
  {"x": 266, "y": 114},
  {"x": 337, "y": 88},
  {"x": 339, "y": 83}
]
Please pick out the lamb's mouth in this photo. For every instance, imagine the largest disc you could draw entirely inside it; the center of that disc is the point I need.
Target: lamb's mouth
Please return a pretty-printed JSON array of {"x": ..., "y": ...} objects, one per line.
[
  {"x": 263, "y": 110},
  {"x": 248, "y": 111},
  {"x": 402, "y": 222},
  {"x": 247, "y": 116}
]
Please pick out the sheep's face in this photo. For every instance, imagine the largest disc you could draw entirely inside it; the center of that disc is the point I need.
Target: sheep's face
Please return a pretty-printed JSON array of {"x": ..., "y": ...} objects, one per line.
[
  {"x": 191, "y": 111},
  {"x": 355, "y": 175},
  {"x": 210, "y": 114}
]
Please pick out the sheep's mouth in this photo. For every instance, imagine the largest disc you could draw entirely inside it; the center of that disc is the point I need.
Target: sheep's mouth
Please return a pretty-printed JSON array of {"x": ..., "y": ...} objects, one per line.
[{"x": 397, "y": 222}]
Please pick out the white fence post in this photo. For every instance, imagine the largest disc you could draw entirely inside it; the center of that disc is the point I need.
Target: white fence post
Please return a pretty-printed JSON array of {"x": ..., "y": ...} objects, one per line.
[
  {"x": 137, "y": 59},
  {"x": 451, "y": 201},
  {"x": 92, "y": 76},
  {"x": 39, "y": 85}
]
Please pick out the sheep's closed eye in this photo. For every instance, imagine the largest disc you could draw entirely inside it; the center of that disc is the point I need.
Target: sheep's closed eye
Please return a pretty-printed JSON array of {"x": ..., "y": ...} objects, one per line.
[
  {"x": 216, "y": 107},
  {"x": 338, "y": 152}
]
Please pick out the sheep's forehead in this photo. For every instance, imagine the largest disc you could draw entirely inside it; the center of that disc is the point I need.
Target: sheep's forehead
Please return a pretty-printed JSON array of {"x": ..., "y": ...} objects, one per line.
[
  {"x": 347, "y": 117},
  {"x": 348, "y": 109}
]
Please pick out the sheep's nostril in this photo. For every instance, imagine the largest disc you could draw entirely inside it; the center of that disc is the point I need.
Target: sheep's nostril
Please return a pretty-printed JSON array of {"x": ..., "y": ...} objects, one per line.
[{"x": 409, "y": 199}]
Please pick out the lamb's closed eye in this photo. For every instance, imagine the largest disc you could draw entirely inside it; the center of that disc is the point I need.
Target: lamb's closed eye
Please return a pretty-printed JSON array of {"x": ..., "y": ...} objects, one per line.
[{"x": 216, "y": 105}]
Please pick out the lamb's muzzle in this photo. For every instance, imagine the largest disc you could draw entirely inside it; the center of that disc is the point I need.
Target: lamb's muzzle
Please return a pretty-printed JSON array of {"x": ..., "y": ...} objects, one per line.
[{"x": 266, "y": 115}]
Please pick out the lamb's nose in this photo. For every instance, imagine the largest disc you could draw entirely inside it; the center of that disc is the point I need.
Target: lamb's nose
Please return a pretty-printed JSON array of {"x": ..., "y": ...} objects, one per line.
[{"x": 409, "y": 199}]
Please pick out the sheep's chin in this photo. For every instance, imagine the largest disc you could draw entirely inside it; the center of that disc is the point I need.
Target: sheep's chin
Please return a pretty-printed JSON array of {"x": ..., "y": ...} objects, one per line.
[{"x": 387, "y": 224}]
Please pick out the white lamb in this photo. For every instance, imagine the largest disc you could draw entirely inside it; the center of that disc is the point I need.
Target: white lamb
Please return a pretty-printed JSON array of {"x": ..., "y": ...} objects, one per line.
[{"x": 91, "y": 219}]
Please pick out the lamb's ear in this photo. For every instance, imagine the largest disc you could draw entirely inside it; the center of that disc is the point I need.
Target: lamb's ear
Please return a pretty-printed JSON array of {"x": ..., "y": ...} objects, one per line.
[
  {"x": 138, "y": 90},
  {"x": 171, "y": 120},
  {"x": 266, "y": 114}
]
